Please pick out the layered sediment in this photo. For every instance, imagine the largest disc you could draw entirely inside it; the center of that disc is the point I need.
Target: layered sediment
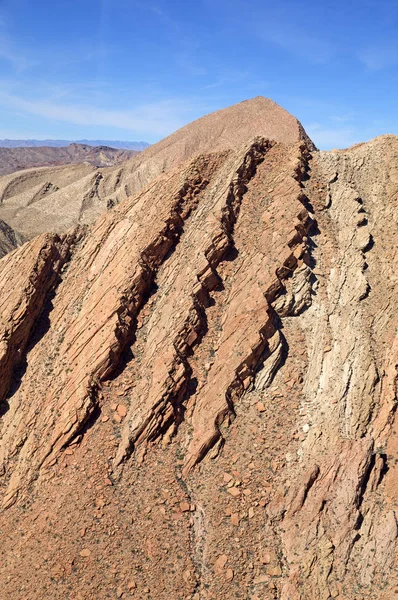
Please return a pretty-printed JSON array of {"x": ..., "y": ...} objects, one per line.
[{"x": 199, "y": 390}]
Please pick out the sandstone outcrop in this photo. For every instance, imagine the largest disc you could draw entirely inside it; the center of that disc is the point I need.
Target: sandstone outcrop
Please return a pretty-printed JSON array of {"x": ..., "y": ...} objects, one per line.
[{"x": 199, "y": 390}]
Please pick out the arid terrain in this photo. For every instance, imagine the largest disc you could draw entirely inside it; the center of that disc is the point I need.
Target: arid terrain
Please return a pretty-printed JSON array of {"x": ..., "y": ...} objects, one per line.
[
  {"x": 15, "y": 159},
  {"x": 32, "y": 174},
  {"x": 121, "y": 145},
  {"x": 198, "y": 361}
]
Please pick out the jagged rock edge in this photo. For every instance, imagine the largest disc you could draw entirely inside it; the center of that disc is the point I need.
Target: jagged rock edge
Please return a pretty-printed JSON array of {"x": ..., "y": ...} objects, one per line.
[
  {"x": 163, "y": 414},
  {"x": 246, "y": 370}
]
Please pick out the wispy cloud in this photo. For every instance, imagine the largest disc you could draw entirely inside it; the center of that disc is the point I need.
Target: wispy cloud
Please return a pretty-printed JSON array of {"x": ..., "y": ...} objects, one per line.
[
  {"x": 292, "y": 38},
  {"x": 327, "y": 138},
  {"x": 18, "y": 61},
  {"x": 188, "y": 65},
  {"x": 10, "y": 52},
  {"x": 11, "y": 55},
  {"x": 343, "y": 118},
  {"x": 157, "y": 118},
  {"x": 282, "y": 25},
  {"x": 157, "y": 12},
  {"x": 228, "y": 78},
  {"x": 382, "y": 56}
]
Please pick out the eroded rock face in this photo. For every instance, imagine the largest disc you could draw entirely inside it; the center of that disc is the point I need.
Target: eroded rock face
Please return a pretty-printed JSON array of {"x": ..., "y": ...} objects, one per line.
[
  {"x": 26, "y": 281},
  {"x": 199, "y": 390},
  {"x": 9, "y": 239}
]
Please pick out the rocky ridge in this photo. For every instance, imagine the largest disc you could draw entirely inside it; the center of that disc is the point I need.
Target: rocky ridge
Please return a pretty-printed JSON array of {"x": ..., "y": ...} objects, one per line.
[{"x": 199, "y": 390}]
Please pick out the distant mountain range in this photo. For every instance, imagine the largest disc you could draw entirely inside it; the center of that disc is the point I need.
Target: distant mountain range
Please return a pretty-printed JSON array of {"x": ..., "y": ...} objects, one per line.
[
  {"x": 15, "y": 159},
  {"x": 57, "y": 143}
]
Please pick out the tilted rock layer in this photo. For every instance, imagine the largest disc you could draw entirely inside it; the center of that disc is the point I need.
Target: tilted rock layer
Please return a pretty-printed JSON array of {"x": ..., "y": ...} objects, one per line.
[
  {"x": 9, "y": 239},
  {"x": 198, "y": 392}
]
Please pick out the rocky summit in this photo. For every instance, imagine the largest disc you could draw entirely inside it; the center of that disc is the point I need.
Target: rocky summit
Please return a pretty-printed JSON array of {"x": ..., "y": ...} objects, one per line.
[{"x": 199, "y": 379}]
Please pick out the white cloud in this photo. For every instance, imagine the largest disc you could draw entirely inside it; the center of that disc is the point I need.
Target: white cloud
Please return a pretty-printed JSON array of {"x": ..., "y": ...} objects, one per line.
[
  {"x": 382, "y": 56},
  {"x": 327, "y": 138},
  {"x": 281, "y": 24},
  {"x": 158, "y": 12},
  {"x": 157, "y": 118},
  {"x": 343, "y": 118},
  {"x": 18, "y": 61},
  {"x": 293, "y": 39},
  {"x": 10, "y": 52},
  {"x": 228, "y": 78}
]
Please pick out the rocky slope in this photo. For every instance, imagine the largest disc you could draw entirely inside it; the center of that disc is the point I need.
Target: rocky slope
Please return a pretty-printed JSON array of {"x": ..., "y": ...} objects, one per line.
[
  {"x": 15, "y": 159},
  {"x": 199, "y": 391}
]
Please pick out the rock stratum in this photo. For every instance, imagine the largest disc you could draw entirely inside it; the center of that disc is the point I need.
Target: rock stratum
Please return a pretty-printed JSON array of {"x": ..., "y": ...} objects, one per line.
[{"x": 199, "y": 389}]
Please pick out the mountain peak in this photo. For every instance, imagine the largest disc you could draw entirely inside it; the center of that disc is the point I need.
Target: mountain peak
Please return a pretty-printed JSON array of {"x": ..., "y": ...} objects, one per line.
[{"x": 234, "y": 125}]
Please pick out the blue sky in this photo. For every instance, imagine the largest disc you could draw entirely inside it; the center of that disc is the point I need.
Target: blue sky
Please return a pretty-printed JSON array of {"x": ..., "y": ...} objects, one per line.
[{"x": 138, "y": 70}]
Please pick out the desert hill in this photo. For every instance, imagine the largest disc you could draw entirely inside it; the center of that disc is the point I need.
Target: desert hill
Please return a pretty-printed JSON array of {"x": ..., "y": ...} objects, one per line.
[
  {"x": 41, "y": 200},
  {"x": 199, "y": 389}
]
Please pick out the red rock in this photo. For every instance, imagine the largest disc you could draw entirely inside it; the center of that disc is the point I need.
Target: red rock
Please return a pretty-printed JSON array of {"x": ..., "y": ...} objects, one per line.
[
  {"x": 122, "y": 410},
  {"x": 261, "y": 579},
  {"x": 229, "y": 575},
  {"x": 220, "y": 564},
  {"x": 265, "y": 557},
  {"x": 235, "y": 519},
  {"x": 274, "y": 571}
]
